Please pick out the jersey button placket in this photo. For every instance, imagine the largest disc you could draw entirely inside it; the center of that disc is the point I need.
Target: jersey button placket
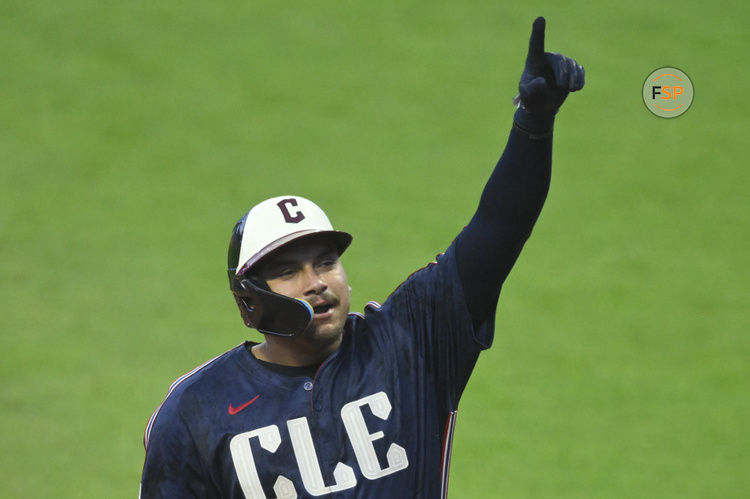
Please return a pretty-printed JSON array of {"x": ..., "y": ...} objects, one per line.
[{"x": 316, "y": 404}]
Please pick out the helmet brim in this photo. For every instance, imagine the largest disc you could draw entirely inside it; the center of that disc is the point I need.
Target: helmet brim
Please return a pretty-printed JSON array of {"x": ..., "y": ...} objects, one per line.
[{"x": 340, "y": 239}]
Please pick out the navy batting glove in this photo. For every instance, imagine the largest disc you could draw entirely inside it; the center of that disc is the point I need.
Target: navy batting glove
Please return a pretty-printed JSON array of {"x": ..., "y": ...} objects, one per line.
[{"x": 545, "y": 82}]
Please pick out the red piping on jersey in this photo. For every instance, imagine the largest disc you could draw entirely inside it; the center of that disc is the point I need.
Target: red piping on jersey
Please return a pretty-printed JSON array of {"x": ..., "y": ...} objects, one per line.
[
  {"x": 315, "y": 377},
  {"x": 450, "y": 426},
  {"x": 312, "y": 390}
]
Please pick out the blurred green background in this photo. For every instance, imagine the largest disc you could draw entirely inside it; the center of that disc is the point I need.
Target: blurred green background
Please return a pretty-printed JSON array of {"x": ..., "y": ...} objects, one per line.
[{"x": 134, "y": 134}]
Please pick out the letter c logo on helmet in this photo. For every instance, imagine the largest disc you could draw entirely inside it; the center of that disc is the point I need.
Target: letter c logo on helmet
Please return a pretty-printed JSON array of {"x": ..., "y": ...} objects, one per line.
[{"x": 297, "y": 218}]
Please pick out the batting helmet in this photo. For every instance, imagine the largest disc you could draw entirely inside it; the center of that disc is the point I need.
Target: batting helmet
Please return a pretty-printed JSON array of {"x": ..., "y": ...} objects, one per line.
[{"x": 267, "y": 227}]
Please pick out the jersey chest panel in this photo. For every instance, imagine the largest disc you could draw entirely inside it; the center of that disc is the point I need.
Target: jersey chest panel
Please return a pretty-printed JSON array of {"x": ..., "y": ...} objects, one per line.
[{"x": 352, "y": 430}]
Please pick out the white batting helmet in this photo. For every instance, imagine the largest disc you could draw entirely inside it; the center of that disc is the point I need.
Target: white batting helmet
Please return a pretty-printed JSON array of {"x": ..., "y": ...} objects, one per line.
[{"x": 265, "y": 228}]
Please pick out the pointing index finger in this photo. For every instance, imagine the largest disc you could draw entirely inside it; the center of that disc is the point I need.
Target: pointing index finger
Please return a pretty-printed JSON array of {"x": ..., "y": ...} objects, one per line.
[{"x": 536, "y": 43}]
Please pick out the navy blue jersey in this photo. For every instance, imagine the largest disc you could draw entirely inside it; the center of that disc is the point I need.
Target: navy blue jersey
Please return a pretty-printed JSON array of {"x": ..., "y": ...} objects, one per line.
[{"x": 375, "y": 421}]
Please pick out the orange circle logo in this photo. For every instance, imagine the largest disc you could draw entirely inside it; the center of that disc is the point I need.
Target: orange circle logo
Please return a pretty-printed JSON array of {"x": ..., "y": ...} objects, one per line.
[{"x": 668, "y": 92}]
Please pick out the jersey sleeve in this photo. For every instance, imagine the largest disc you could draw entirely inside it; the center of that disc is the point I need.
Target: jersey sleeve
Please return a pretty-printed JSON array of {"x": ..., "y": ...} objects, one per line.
[
  {"x": 431, "y": 306},
  {"x": 173, "y": 466},
  {"x": 511, "y": 202},
  {"x": 449, "y": 306}
]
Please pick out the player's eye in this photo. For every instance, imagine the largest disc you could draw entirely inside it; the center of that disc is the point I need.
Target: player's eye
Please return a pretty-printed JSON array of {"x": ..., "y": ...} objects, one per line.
[
  {"x": 280, "y": 272},
  {"x": 286, "y": 272},
  {"x": 327, "y": 263}
]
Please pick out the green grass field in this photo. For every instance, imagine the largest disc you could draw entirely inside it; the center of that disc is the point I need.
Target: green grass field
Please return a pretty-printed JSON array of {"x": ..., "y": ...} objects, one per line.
[{"x": 134, "y": 134}]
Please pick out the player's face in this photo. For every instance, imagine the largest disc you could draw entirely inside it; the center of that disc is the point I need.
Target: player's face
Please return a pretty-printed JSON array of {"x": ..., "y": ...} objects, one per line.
[{"x": 310, "y": 270}]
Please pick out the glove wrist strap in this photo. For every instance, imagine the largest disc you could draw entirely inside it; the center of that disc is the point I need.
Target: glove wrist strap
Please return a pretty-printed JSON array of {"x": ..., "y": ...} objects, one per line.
[{"x": 533, "y": 126}]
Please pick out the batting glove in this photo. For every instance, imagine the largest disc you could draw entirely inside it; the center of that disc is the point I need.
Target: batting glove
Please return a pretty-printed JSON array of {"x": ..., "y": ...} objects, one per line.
[{"x": 546, "y": 80}]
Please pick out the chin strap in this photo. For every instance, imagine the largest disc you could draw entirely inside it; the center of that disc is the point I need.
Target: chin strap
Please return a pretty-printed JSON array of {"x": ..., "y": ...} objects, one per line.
[{"x": 269, "y": 312}]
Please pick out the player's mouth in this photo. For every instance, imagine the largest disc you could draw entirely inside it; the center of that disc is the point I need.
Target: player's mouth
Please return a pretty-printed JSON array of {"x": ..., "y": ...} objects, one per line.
[{"x": 323, "y": 311}]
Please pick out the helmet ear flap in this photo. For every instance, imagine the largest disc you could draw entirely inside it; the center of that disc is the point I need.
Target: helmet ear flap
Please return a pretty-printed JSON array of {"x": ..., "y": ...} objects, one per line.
[
  {"x": 245, "y": 294},
  {"x": 251, "y": 308},
  {"x": 269, "y": 312}
]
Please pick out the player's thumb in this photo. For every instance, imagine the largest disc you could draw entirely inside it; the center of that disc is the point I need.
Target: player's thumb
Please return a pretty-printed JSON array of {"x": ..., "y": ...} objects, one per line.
[{"x": 532, "y": 89}]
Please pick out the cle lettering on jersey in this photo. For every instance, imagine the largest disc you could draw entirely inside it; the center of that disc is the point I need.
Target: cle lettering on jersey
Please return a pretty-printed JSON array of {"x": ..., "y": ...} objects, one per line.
[{"x": 269, "y": 438}]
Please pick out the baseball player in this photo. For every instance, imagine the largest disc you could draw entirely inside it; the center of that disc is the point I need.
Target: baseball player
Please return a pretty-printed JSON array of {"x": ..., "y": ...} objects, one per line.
[{"x": 349, "y": 405}]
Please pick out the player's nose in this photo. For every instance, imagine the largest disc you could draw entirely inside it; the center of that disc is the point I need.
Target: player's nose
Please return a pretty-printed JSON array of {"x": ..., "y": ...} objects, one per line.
[{"x": 312, "y": 281}]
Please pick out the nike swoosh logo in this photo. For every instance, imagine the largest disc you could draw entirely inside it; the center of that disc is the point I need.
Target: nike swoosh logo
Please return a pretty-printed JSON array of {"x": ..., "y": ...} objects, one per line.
[{"x": 234, "y": 410}]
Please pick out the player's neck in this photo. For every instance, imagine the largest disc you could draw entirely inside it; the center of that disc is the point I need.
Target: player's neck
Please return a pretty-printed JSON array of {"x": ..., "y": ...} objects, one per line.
[{"x": 290, "y": 352}]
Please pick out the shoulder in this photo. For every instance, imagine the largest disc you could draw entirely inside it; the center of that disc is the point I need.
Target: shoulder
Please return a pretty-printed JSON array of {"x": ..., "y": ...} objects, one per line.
[
  {"x": 437, "y": 281},
  {"x": 193, "y": 387},
  {"x": 207, "y": 373}
]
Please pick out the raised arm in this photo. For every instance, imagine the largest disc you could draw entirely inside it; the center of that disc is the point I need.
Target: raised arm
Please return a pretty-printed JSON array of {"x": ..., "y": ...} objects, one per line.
[{"x": 514, "y": 195}]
